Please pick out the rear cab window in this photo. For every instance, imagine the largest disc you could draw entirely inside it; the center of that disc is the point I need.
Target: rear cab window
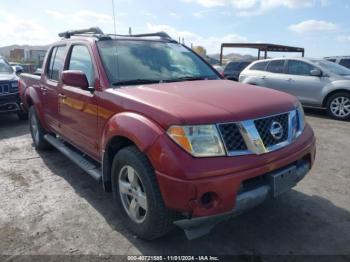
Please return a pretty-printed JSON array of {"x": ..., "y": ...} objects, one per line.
[{"x": 56, "y": 63}]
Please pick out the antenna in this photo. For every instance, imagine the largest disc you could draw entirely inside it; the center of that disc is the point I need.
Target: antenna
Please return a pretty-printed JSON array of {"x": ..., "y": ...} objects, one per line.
[{"x": 115, "y": 28}]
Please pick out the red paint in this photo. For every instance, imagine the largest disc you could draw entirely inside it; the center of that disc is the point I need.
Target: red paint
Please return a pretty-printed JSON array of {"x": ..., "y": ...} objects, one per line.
[{"x": 143, "y": 114}]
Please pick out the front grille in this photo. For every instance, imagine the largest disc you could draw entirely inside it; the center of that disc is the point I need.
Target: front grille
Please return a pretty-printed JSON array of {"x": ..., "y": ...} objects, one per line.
[
  {"x": 4, "y": 88},
  {"x": 263, "y": 126},
  {"x": 232, "y": 137},
  {"x": 259, "y": 135},
  {"x": 9, "y": 98},
  {"x": 7, "y": 88}
]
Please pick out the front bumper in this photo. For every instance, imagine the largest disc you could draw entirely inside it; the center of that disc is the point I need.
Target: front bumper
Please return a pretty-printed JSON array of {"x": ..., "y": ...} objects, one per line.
[
  {"x": 183, "y": 179},
  {"x": 9, "y": 103},
  {"x": 197, "y": 227}
]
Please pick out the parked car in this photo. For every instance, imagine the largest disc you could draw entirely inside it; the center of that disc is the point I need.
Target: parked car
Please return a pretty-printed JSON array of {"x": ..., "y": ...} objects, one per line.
[
  {"x": 316, "y": 82},
  {"x": 157, "y": 126},
  {"x": 341, "y": 60},
  {"x": 233, "y": 69},
  {"x": 219, "y": 68},
  {"x": 9, "y": 97}
]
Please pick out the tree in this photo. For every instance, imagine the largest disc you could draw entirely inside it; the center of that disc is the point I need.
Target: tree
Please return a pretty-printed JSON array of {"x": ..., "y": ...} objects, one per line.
[{"x": 200, "y": 50}]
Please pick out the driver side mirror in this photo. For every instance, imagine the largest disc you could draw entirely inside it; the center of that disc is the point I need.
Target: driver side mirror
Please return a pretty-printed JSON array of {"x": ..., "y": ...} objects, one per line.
[
  {"x": 75, "y": 78},
  {"x": 316, "y": 72}
]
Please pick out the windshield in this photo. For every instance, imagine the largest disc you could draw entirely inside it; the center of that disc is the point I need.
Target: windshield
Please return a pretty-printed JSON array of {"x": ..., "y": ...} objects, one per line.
[
  {"x": 332, "y": 67},
  {"x": 126, "y": 61},
  {"x": 5, "y": 68}
]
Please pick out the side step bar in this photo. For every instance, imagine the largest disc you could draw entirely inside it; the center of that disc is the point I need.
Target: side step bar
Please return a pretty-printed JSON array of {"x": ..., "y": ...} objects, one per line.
[{"x": 82, "y": 162}]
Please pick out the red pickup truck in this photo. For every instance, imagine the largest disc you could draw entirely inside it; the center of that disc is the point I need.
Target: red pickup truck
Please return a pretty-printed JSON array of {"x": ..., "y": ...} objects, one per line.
[{"x": 160, "y": 128}]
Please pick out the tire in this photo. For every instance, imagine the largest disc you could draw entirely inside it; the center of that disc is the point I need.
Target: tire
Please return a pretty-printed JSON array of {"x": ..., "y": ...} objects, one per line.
[
  {"x": 22, "y": 115},
  {"x": 37, "y": 131},
  {"x": 338, "y": 106},
  {"x": 155, "y": 220}
]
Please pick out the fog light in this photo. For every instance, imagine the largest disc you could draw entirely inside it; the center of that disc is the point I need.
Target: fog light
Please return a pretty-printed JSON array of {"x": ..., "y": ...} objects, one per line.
[{"x": 209, "y": 200}]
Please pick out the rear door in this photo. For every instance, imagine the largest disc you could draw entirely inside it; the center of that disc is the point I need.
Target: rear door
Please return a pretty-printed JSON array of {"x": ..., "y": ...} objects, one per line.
[
  {"x": 78, "y": 108},
  {"x": 301, "y": 84},
  {"x": 275, "y": 76},
  {"x": 50, "y": 87}
]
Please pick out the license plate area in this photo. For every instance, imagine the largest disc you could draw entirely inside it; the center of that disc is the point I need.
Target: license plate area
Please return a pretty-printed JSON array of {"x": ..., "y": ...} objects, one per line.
[{"x": 283, "y": 180}]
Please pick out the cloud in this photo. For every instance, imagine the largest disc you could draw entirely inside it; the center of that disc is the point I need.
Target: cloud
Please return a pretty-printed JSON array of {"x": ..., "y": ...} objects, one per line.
[
  {"x": 343, "y": 38},
  {"x": 313, "y": 26},
  {"x": 212, "y": 44},
  {"x": 15, "y": 29},
  {"x": 257, "y": 7},
  {"x": 82, "y": 17}
]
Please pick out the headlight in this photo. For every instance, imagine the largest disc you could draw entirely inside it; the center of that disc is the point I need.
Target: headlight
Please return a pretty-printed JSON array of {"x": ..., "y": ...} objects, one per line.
[
  {"x": 199, "y": 141},
  {"x": 14, "y": 84},
  {"x": 301, "y": 119}
]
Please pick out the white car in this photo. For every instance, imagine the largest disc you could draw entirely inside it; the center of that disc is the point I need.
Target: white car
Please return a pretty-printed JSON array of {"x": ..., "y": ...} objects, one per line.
[{"x": 316, "y": 82}]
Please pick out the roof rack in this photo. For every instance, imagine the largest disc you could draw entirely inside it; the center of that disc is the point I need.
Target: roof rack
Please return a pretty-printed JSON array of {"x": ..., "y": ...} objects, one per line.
[
  {"x": 162, "y": 35},
  {"x": 89, "y": 31}
]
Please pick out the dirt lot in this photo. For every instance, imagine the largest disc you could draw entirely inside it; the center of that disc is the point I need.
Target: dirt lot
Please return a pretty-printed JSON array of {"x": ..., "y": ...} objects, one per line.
[{"x": 49, "y": 206}]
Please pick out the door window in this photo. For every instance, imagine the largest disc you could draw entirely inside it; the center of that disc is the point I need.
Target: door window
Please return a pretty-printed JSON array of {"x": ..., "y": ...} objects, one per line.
[
  {"x": 80, "y": 60},
  {"x": 56, "y": 63},
  {"x": 276, "y": 66},
  {"x": 299, "y": 68},
  {"x": 345, "y": 62},
  {"x": 260, "y": 66}
]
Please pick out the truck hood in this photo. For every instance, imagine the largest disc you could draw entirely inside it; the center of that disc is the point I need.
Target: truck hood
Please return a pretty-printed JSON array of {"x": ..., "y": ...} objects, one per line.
[{"x": 203, "y": 102}]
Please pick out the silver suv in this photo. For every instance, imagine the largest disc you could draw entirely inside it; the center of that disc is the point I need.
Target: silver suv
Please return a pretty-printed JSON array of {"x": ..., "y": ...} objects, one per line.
[
  {"x": 316, "y": 82},
  {"x": 341, "y": 60}
]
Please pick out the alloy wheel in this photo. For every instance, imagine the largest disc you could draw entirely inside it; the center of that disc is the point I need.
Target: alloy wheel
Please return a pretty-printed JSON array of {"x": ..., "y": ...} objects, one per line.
[
  {"x": 132, "y": 194},
  {"x": 34, "y": 129},
  {"x": 340, "y": 107}
]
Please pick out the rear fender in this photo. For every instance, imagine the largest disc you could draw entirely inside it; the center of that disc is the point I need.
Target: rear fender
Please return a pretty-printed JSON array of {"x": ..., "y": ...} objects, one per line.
[{"x": 32, "y": 99}]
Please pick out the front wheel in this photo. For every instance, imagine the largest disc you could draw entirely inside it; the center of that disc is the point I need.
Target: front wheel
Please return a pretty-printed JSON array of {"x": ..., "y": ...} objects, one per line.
[
  {"x": 137, "y": 195},
  {"x": 338, "y": 106}
]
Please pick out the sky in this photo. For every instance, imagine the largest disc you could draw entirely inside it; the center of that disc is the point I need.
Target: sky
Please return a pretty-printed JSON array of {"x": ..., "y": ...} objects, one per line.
[{"x": 322, "y": 27}]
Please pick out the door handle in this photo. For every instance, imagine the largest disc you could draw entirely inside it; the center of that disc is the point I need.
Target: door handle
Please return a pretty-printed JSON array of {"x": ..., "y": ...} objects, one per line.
[
  {"x": 289, "y": 79},
  {"x": 263, "y": 77},
  {"x": 62, "y": 96}
]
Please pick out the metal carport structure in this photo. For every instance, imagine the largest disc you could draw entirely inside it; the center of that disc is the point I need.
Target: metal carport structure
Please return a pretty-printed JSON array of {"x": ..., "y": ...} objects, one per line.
[{"x": 262, "y": 47}]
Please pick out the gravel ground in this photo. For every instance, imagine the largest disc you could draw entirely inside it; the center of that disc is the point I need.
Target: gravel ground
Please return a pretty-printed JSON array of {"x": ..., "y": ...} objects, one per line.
[{"x": 50, "y": 207}]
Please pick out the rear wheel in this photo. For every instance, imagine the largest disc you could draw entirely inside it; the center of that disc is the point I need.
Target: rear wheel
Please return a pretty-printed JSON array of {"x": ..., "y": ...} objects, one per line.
[
  {"x": 338, "y": 106},
  {"x": 22, "y": 115},
  {"x": 137, "y": 195},
  {"x": 37, "y": 131}
]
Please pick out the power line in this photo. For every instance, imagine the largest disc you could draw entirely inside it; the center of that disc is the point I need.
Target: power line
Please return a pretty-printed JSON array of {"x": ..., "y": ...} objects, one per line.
[{"x": 115, "y": 28}]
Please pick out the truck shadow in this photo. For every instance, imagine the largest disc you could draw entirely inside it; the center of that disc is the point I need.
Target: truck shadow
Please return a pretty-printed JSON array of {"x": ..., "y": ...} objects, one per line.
[
  {"x": 295, "y": 223},
  {"x": 11, "y": 126},
  {"x": 316, "y": 112}
]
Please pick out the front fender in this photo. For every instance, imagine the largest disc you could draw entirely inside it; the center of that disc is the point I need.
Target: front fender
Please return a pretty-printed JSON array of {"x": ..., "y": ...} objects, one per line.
[
  {"x": 140, "y": 130},
  {"x": 137, "y": 128}
]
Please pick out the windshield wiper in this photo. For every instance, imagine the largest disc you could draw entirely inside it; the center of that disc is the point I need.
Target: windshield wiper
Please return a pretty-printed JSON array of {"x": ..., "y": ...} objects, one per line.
[
  {"x": 136, "y": 82},
  {"x": 187, "y": 78}
]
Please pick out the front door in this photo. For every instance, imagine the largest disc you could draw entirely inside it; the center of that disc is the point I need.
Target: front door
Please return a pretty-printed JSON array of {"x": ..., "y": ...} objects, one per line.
[
  {"x": 78, "y": 108},
  {"x": 302, "y": 84}
]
